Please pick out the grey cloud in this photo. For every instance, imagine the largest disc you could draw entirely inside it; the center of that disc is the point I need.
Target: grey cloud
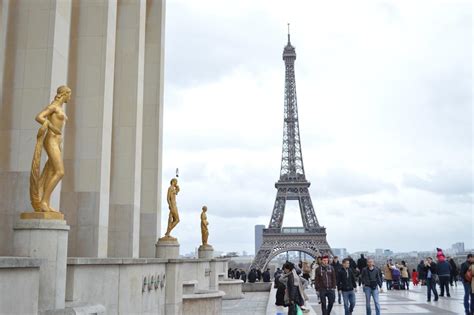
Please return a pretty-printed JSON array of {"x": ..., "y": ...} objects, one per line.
[
  {"x": 448, "y": 182},
  {"x": 342, "y": 182}
]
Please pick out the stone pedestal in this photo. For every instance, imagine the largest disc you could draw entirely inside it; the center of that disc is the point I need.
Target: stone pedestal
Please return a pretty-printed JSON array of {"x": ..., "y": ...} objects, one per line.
[
  {"x": 205, "y": 251},
  {"x": 167, "y": 248},
  {"x": 46, "y": 239}
]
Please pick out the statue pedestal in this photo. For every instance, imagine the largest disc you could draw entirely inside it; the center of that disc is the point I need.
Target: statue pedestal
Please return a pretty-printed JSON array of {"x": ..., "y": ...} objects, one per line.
[
  {"x": 167, "y": 247},
  {"x": 205, "y": 251},
  {"x": 46, "y": 239}
]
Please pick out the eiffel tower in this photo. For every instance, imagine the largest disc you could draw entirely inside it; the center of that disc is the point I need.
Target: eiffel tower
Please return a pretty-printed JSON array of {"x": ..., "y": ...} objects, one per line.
[{"x": 292, "y": 185}]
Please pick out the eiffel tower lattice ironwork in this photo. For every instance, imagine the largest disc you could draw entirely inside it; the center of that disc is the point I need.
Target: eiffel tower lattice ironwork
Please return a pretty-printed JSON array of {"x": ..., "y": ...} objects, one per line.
[{"x": 292, "y": 185}]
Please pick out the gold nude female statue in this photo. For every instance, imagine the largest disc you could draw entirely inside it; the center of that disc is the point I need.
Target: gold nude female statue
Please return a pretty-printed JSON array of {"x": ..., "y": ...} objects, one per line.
[
  {"x": 173, "y": 218},
  {"x": 49, "y": 137},
  {"x": 204, "y": 226}
]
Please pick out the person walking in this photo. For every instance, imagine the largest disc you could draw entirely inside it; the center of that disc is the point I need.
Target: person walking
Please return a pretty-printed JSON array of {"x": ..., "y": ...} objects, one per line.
[
  {"x": 431, "y": 277},
  {"x": 372, "y": 281},
  {"x": 387, "y": 274},
  {"x": 468, "y": 284},
  {"x": 361, "y": 264},
  {"x": 294, "y": 293},
  {"x": 325, "y": 282},
  {"x": 404, "y": 275},
  {"x": 453, "y": 280},
  {"x": 444, "y": 275},
  {"x": 421, "y": 272},
  {"x": 346, "y": 283},
  {"x": 337, "y": 267}
]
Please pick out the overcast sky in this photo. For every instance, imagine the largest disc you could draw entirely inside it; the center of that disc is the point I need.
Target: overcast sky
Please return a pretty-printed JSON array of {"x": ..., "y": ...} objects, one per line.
[{"x": 386, "y": 120}]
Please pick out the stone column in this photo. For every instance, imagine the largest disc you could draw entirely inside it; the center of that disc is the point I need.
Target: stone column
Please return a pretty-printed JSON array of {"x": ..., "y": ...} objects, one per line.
[
  {"x": 126, "y": 158},
  {"x": 174, "y": 288},
  {"x": 150, "y": 209},
  {"x": 46, "y": 239},
  {"x": 87, "y": 146},
  {"x": 206, "y": 251},
  {"x": 35, "y": 55}
]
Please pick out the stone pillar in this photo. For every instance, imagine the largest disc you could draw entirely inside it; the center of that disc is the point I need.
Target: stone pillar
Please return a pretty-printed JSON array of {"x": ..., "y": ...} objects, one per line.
[
  {"x": 150, "y": 209},
  {"x": 206, "y": 251},
  {"x": 174, "y": 288},
  {"x": 35, "y": 55},
  {"x": 87, "y": 146},
  {"x": 46, "y": 239},
  {"x": 126, "y": 158},
  {"x": 167, "y": 248}
]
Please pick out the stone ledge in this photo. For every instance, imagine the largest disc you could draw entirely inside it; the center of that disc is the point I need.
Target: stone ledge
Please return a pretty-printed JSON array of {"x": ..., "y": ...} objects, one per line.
[
  {"x": 114, "y": 261},
  {"x": 20, "y": 262},
  {"x": 38, "y": 224},
  {"x": 257, "y": 287},
  {"x": 204, "y": 294}
]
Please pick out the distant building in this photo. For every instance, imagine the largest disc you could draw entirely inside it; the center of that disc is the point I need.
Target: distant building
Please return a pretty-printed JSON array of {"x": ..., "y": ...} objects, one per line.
[
  {"x": 340, "y": 252},
  {"x": 244, "y": 253},
  {"x": 387, "y": 252},
  {"x": 379, "y": 252},
  {"x": 258, "y": 236},
  {"x": 458, "y": 248}
]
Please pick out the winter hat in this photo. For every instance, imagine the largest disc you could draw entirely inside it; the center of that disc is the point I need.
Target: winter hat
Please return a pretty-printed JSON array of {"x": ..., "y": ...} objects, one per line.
[{"x": 440, "y": 255}]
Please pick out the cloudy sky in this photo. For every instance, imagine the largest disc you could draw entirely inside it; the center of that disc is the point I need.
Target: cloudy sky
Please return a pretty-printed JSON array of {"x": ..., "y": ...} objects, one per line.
[{"x": 385, "y": 102}]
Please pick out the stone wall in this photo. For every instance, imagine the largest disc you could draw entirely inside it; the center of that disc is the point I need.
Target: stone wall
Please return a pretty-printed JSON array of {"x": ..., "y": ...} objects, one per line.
[{"x": 19, "y": 285}]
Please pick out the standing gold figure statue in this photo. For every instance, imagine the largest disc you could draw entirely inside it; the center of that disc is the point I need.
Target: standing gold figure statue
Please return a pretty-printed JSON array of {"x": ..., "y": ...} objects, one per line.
[
  {"x": 204, "y": 228},
  {"x": 173, "y": 218},
  {"x": 52, "y": 120}
]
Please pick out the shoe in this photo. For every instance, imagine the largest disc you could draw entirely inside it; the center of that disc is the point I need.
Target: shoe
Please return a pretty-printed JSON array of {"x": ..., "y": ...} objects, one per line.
[
  {"x": 449, "y": 295},
  {"x": 428, "y": 300},
  {"x": 436, "y": 299},
  {"x": 441, "y": 295}
]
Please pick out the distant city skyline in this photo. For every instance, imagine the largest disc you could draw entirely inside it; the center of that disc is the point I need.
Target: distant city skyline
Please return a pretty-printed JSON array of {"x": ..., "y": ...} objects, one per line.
[{"x": 385, "y": 105}]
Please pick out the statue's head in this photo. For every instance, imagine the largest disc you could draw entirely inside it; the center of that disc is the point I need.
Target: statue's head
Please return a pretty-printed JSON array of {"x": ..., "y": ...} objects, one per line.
[
  {"x": 204, "y": 208},
  {"x": 63, "y": 94},
  {"x": 174, "y": 182}
]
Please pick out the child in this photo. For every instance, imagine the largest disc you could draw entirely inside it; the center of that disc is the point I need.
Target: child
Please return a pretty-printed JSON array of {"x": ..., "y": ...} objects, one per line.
[{"x": 414, "y": 277}]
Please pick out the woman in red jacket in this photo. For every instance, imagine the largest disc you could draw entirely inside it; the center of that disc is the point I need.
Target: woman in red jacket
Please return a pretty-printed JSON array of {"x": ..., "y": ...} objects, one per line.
[{"x": 414, "y": 277}]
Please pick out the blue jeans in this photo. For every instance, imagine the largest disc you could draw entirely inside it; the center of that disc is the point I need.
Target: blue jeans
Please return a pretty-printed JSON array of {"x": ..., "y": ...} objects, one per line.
[
  {"x": 349, "y": 301},
  {"x": 431, "y": 286},
  {"x": 467, "y": 295},
  {"x": 375, "y": 295}
]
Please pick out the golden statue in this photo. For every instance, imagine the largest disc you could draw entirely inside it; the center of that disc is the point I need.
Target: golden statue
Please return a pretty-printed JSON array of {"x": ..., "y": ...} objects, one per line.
[
  {"x": 204, "y": 228},
  {"x": 49, "y": 137},
  {"x": 173, "y": 218}
]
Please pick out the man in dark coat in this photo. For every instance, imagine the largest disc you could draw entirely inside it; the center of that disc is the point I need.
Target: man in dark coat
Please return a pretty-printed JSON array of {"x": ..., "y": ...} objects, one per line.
[
  {"x": 346, "y": 283},
  {"x": 337, "y": 266},
  {"x": 325, "y": 281},
  {"x": 431, "y": 275},
  {"x": 361, "y": 264},
  {"x": 372, "y": 280}
]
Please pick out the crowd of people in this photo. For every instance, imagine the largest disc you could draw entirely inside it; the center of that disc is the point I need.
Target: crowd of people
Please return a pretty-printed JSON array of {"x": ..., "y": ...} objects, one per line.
[
  {"x": 254, "y": 275},
  {"x": 332, "y": 279}
]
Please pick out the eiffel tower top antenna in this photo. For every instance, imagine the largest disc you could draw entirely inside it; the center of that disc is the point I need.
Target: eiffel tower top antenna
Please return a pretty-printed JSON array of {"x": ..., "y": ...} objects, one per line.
[{"x": 288, "y": 33}]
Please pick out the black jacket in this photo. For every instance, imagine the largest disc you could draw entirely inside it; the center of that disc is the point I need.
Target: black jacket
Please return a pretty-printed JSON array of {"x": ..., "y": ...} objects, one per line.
[
  {"x": 252, "y": 276},
  {"x": 365, "y": 277},
  {"x": 346, "y": 280},
  {"x": 432, "y": 267},
  {"x": 294, "y": 291},
  {"x": 280, "y": 292},
  {"x": 266, "y": 276},
  {"x": 361, "y": 262}
]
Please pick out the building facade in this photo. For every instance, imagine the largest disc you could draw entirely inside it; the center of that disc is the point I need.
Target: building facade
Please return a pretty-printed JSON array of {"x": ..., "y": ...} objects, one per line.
[{"x": 110, "y": 53}]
